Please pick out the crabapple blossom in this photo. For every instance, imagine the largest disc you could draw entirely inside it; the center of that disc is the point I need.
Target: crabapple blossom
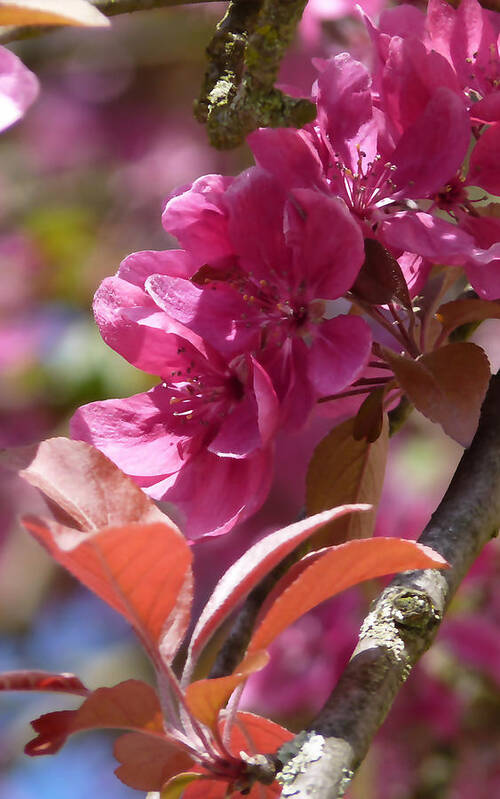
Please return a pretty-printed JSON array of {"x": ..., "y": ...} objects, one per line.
[
  {"x": 393, "y": 143},
  {"x": 18, "y": 88},
  {"x": 381, "y": 171},
  {"x": 454, "y": 47},
  {"x": 291, "y": 256},
  {"x": 243, "y": 344},
  {"x": 202, "y": 438}
]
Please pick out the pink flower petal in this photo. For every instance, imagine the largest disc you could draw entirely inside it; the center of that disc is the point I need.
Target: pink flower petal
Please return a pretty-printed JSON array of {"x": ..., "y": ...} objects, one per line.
[
  {"x": 138, "y": 266},
  {"x": 253, "y": 421},
  {"x": 18, "y": 88},
  {"x": 238, "y": 434},
  {"x": 289, "y": 155},
  {"x": 484, "y": 170},
  {"x": 339, "y": 354},
  {"x": 410, "y": 77},
  {"x": 256, "y": 197},
  {"x": 328, "y": 244},
  {"x": 130, "y": 322},
  {"x": 345, "y": 108},
  {"x": 217, "y": 312},
  {"x": 196, "y": 216},
  {"x": 431, "y": 151},
  {"x": 134, "y": 433},
  {"x": 216, "y": 493},
  {"x": 267, "y": 403},
  {"x": 429, "y": 236}
]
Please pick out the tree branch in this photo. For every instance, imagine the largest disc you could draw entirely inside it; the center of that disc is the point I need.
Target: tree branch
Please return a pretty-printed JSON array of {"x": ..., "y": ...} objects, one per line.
[
  {"x": 320, "y": 763},
  {"x": 111, "y": 8},
  {"x": 238, "y": 93}
]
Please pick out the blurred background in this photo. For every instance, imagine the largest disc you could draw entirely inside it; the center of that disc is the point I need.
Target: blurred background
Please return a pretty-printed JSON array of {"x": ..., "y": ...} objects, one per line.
[{"x": 83, "y": 177}]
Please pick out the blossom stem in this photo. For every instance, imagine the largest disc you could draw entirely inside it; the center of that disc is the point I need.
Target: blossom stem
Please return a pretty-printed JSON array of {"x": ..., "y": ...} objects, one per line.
[
  {"x": 367, "y": 381},
  {"x": 379, "y": 365},
  {"x": 411, "y": 345},
  {"x": 231, "y": 710},
  {"x": 351, "y": 393},
  {"x": 379, "y": 317}
]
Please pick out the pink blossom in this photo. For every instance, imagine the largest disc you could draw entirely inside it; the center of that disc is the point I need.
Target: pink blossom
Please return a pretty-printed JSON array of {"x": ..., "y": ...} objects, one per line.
[
  {"x": 385, "y": 165},
  {"x": 451, "y": 47},
  {"x": 195, "y": 214},
  {"x": 469, "y": 41},
  {"x": 18, "y": 88},
  {"x": 291, "y": 255},
  {"x": 352, "y": 152},
  {"x": 203, "y": 437},
  {"x": 485, "y": 278}
]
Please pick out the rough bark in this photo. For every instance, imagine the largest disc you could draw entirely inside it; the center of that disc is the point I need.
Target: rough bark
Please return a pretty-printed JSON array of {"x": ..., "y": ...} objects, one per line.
[{"x": 238, "y": 93}]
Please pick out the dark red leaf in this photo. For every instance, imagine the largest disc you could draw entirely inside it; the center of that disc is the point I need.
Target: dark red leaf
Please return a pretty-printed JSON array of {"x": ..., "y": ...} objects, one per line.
[
  {"x": 463, "y": 312},
  {"x": 447, "y": 385},
  {"x": 249, "y": 570},
  {"x": 251, "y": 734},
  {"x": 42, "y": 681},
  {"x": 369, "y": 420},
  {"x": 205, "y": 698},
  {"x": 148, "y": 762},
  {"x": 342, "y": 470},
  {"x": 131, "y": 705},
  {"x": 380, "y": 279},
  {"x": 139, "y": 569},
  {"x": 84, "y": 488},
  {"x": 337, "y": 569}
]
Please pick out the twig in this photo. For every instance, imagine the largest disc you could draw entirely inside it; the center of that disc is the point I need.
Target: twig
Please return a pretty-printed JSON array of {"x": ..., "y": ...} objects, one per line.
[
  {"x": 238, "y": 93},
  {"x": 111, "y": 8},
  {"x": 320, "y": 763}
]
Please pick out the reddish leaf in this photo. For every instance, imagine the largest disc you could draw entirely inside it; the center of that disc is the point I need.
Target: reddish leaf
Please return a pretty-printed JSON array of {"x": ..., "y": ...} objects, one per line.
[
  {"x": 205, "y": 698},
  {"x": 463, "y": 312},
  {"x": 129, "y": 705},
  {"x": 343, "y": 470},
  {"x": 87, "y": 489},
  {"x": 249, "y": 570},
  {"x": 447, "y": 385},
  {"x": 380, "y": 279},
  {"x": 147, "y": 762},
  {"x": 42, "y": 681},
  {"x": 369, "y": 420},
  {"x": 51, "y": 12},
  {"x": 339, "y": 568},
  {"x": 206, "y": 788},
  {"x": 255, "y": 734},
  {"x": 290, "y": 576},
  {"x": 138, "y": 569},
  {"x": 251, "y": 734}
]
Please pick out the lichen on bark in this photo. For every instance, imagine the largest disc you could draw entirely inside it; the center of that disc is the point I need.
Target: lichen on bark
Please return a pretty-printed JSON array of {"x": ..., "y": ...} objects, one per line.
[{"x": 238, "y": 93}]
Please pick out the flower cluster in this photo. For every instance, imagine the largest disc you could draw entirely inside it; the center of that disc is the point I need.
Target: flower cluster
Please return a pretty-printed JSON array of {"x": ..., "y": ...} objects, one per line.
[{"x": 260, "y": 315}]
